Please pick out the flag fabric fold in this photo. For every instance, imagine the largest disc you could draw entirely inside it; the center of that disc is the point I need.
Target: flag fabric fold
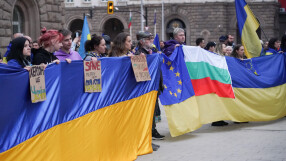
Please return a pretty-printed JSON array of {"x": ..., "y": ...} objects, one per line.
[
  {"x": 208, "y": 72},
  {"x": 85, "y": 126},
  {"x": 257, "y": 97},
  {"x": 157, "y": 42},
  {"x": 247, "y": 25}
]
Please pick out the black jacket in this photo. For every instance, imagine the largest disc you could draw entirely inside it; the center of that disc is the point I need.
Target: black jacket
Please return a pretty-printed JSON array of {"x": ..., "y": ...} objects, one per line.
[
  {"x": 141, "y": 50},
  {"x": 42, "y": 56}
]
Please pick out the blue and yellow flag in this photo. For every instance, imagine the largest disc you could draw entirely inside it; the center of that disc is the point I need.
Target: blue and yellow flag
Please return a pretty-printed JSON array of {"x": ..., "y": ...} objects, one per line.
[
  {"x": 157, "y": 42},
  {"x": 257, "y": 98},
  {"x": 247, "y": 25},
  {"x": 85, "y": 35},
  {"x": 114, "y": 124}
]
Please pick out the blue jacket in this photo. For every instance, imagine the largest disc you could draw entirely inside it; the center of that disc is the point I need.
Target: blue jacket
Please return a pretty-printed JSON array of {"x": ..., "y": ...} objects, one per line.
[{"x": 169, "y": 47}]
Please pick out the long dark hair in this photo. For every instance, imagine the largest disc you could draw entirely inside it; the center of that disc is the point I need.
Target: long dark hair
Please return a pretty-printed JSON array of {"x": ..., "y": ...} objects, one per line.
[
  {"x": 118, "y": 46},
  {"x": 89, "y": 44},
  {"x": 271, "y": 43},
  {"x": 283, "y": 43},
  {"x": 16, "y": 52},
  {"x": 234, "y": 51}
]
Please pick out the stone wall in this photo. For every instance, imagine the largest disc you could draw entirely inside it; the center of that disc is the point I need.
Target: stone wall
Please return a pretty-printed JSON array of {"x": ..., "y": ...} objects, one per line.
[
  {"x": 46, "y": 13},
  {"x": 208, "y": 20}
]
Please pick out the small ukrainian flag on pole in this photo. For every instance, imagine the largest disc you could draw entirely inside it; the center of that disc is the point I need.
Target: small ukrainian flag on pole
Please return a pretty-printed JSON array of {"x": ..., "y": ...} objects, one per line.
[
  {"x": 85, "y": 35},
  {"x": 247, "y": 25}
]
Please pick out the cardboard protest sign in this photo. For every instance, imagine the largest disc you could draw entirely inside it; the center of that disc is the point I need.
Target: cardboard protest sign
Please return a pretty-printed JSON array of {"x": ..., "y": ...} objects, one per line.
[
  {"x": 37, "y": 83},
  {"x": 92, "y": 76},
  {"x": 140, "y": 68}
]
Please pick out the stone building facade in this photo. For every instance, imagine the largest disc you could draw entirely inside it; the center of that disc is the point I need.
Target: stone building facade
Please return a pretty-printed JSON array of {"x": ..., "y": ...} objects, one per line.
[
  {"x": 28, "y": 17},
  {"x": 208, "y": 19}
]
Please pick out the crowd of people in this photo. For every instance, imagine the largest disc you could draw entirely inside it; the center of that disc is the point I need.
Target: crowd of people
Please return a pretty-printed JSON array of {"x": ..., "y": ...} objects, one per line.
[
  {"x": 226, "y": 46},
  {"x": 54, "y": 46}
]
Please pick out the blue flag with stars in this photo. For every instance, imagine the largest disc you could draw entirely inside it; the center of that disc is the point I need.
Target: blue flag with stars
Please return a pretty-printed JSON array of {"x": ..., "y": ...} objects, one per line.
[{"x": 177, "y": 82}]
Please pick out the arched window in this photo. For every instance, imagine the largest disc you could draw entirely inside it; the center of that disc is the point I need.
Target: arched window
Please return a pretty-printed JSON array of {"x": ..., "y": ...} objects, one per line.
[
  {"x": 75, "y": 25},
  {"x": 113, "y": 27},
  {"x": 26, "y": 18},
  {"x": 174, "y": 23},
  {"x": 17, "y": 21}
]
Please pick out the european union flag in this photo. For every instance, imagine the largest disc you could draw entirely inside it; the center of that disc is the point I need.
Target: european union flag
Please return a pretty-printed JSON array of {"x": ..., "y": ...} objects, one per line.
[
  {"x": 177, "y": 82},
  {"x": 85, "y": 35}
]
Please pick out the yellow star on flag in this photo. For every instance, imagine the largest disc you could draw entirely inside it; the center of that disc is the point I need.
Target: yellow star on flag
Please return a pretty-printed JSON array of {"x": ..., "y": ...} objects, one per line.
[
  {"x": 171, "y": 68},
  {"x": 163, "y": 60},
  {"x": 179, "y": 91},
  {"x": 175, "y": 94},
  {"x": 177, "y": 74},
  {"x": 169, "y": 63},
  {"x": 180, "y": 82},
  {"x": 165, "y": 86},
  {"x": 170, "y": 93}
]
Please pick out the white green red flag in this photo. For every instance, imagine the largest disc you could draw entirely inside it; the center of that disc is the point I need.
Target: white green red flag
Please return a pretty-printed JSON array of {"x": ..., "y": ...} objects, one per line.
[
  {"x": 208, "y": 71},
  {"x": 130, "y": 19}
]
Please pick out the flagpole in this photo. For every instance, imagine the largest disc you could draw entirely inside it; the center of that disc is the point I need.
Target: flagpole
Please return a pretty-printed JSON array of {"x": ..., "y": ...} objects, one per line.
[
  {"x": 130, "y": 19},
  {"x": 131, "y": 32},
  {"x": 142, "y": 13},
  {"x": 163, "y": 26},
  {"x": 155, "y": 23}
]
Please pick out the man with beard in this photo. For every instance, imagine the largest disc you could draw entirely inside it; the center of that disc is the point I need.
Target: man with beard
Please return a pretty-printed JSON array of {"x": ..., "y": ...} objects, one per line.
[{"x": 230, "y": 40}]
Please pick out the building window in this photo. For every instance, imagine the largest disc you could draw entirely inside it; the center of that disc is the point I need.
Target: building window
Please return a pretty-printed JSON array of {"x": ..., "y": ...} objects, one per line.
[
  {"x": 87, "y": 1},
  {"x": 17, "y": 21},
  {"x": 104, "y": 0},
  {"x": 69, "y": 1}
]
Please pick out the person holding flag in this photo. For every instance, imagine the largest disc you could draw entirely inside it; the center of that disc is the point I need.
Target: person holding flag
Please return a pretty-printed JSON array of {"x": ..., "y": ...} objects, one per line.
[
  {"x": 66, "y": 52},
  {"x": 273, "y": 46},
  {"x": 50, "y": 41},
  {"x": 179, "y": 39}
]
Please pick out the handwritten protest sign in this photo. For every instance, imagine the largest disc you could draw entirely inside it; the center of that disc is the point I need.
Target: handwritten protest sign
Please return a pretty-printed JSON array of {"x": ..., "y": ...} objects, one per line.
[
  {"x": 92, "y": 76},
  {"x": 140, "y": 68},
  {"x": 37, "y": 83}
]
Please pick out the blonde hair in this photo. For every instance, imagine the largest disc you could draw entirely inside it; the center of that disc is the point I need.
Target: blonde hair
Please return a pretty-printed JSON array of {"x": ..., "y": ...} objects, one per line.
[{"x": 219, "y": 48}]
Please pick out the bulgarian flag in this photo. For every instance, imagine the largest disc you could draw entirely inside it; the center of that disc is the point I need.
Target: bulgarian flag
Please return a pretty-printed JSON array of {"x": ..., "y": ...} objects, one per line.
[
  {"x": 130, "y": 19},
  {"x": 208, "y": 72}
]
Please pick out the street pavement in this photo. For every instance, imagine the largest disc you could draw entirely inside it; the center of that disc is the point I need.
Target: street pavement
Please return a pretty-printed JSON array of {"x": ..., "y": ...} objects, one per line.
[{"x": 253, "y": 141}]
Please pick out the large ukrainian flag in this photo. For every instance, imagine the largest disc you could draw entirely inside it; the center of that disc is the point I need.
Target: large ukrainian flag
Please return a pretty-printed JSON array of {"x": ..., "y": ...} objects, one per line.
[
  {"x": 247, "y": 25},
  {"x": 113, "y": 125},
  {"x": 203, "y": 94}
]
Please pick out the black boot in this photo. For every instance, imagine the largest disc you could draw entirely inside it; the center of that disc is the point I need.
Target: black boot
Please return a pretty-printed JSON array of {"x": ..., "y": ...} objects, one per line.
[
  {"x": 219, "y": 123},
  {"x": 156, "y": 135}
]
